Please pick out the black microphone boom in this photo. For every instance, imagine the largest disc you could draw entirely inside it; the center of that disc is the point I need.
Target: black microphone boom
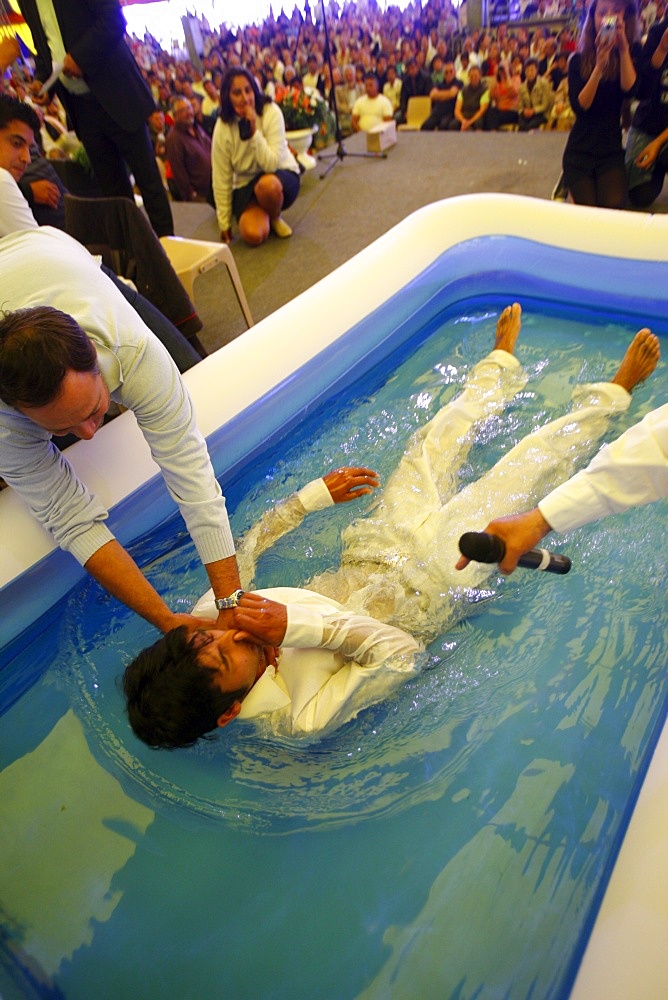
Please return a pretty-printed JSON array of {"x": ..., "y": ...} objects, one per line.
[{"x": 485, "y": 548}]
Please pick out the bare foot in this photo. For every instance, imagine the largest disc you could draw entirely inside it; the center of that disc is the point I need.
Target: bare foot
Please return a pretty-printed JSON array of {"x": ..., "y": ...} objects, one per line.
[
  {"x": 640, "y": 360},
  {"x": 508, "y": 328}
]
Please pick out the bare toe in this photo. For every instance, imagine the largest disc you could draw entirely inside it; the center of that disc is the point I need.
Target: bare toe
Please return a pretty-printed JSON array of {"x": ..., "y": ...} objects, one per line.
[{"x": 641, "y": 358}]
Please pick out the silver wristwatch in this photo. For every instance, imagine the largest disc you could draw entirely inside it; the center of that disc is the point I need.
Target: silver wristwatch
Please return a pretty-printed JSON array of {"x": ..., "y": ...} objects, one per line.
[{"x": 222, "y": 603}]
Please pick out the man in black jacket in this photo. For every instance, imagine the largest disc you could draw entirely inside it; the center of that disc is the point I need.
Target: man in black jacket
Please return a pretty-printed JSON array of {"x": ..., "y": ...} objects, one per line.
[{"x": 103, "y": 93}]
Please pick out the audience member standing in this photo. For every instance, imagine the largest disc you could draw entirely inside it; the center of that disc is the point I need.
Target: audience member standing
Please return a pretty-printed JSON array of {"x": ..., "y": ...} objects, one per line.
[
  {"x": 104, "y": 94},
  {"x": 647, "y": 142},
  {"x": 601, "y": 76}
]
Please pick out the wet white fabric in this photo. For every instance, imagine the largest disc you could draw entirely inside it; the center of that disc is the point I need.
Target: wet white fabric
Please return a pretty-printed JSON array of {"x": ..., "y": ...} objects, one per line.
[
  {"x": 332, "y": 663},
  {"x": 397, "y": 566}
]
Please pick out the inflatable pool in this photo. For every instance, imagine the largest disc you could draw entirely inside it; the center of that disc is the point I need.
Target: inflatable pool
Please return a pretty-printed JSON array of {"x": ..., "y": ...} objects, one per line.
[{"x": 470, "y": 249}]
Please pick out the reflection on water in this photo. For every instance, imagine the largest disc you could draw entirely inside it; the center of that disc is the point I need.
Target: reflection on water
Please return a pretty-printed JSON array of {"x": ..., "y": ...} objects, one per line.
[
  {"x": 482, "y": 673},
  {"x": 494, "y": 782}
]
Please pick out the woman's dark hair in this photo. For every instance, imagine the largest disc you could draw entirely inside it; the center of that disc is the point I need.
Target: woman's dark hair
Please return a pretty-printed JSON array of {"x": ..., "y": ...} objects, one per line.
[
  {"x": 226, "y": 109},
  {"x": 38, "y": 347},
  {"x": 587, "y": 43},
  {"x": 171, "y": 699}
]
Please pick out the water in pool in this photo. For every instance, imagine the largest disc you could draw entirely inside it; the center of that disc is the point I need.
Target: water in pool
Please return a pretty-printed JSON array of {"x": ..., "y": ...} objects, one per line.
[{"x": 452, "y": 841}]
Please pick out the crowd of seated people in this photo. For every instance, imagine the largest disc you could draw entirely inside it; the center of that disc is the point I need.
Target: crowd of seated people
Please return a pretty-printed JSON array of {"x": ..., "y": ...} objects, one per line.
[{"x": 520, "y": 69}]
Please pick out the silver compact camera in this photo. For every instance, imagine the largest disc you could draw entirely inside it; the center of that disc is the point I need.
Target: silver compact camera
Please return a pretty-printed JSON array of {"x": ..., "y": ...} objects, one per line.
[{"x": 608, "y": 28}]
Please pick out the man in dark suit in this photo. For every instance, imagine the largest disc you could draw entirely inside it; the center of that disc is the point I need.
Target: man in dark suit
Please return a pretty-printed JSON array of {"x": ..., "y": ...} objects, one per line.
[{"x": 104, "y": 94}]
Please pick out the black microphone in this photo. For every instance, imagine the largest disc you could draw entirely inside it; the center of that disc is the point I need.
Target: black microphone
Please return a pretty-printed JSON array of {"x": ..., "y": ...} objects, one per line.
[{"x": 484, "y": 548}]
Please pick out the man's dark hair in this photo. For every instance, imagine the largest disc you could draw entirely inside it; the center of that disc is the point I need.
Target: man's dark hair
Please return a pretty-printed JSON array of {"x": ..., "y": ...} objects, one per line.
[
  {"x": 370, "y": 75},
  {"x": 226, "y": 109},
  {"x": 171, "y": 699},
  {"x": 13, "y": 110},
  {"x": 38, "y": 347},
  {"x": 531, "y": 62}
]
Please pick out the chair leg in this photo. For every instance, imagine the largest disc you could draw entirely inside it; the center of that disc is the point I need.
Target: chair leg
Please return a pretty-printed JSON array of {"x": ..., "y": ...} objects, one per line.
[{"x": 230, "y": 263}]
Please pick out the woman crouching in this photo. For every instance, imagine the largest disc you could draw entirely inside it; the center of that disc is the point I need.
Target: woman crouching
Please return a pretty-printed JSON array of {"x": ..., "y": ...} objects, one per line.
[{"x": 255, "y": 176}]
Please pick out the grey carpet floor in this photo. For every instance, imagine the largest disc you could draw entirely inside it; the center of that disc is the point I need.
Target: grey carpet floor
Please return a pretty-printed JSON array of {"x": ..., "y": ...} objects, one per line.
[{"x": 358, "y": 200}]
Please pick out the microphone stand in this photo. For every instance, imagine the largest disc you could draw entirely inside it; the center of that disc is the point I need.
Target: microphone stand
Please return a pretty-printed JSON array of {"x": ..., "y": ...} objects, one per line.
[{"x": 341, "y": 151}]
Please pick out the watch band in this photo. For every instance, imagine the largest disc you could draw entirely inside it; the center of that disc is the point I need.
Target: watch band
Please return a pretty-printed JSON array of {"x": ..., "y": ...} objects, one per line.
[{"x": 222, "y": 603}]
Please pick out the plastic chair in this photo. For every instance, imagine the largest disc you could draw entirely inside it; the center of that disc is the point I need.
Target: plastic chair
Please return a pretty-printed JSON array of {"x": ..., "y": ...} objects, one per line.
[
  {"x": 119, "y": 231},
  {"x": 190, "y": 258},
  {"x": 418, "y": 110}
]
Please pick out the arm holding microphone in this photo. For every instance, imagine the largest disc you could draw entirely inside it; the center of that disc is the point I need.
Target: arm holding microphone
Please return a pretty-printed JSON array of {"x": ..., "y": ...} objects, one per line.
[
  {"x": 629, "y": 472},
  {"x": 519, "y": 533}
]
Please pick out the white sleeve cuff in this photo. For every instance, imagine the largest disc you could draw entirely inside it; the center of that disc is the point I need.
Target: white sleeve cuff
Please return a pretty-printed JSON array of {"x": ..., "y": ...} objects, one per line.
[
  {"x": 305, "y": 627},
  {"x": 315, "y": 496}
]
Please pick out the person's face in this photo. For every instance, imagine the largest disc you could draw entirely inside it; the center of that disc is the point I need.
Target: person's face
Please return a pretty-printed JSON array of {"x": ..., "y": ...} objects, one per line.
[
  {"x": 157, "y": 121},
  {"x": 371, "y": 87},
  {"x": 449, "y": 72},
  {"x": 474, "y": 76},
  {"x": 184, "y": 115},
  {"x": 15, "y": 142},
  {"x": 241, "y": 95},
  {"x": 78, "y": 409},
  {"x": 531, "y": 72},
  {"x": 236, "y": 660},
  {"x": 606, "y": 8}
]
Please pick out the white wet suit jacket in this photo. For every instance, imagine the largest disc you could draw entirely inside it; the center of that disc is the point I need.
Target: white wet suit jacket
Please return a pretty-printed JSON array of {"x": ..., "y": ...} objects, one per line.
[{"x": 332, "y": 663}]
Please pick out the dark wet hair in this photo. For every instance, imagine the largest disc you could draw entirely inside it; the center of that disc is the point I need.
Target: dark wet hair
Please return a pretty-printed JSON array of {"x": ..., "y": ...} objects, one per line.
[
  {"x": 172, "y": 700},
  {"x": 38, "y": 347},
  {"x": 226, "y": 110}
]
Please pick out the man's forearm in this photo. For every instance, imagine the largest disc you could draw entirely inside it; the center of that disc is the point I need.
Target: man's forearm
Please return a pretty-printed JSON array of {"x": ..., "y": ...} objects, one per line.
[
  {"x": 224, "y": 576},
  {"x": 116, "y": 571}
]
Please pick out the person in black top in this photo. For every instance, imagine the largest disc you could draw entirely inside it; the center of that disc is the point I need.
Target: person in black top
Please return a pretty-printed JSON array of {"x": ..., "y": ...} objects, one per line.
[
  {"x": 647, "y": 143},
  {"x": 601, "y": 76}
]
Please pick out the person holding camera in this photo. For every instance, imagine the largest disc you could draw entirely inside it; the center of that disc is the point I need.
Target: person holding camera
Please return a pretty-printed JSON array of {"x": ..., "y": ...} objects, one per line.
[
  {"x": 601, "y": 76},
  {"x": 255, "y": 176}
]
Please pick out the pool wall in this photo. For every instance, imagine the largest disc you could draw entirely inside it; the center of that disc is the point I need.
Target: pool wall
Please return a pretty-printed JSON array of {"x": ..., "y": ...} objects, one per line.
[{"x": 448, "y": 252}]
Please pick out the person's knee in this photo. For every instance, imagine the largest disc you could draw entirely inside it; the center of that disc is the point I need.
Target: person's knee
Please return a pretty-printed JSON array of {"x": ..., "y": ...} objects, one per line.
[
  {"x": 254, "y": 232},
  {"x": 268, "y": 187}
]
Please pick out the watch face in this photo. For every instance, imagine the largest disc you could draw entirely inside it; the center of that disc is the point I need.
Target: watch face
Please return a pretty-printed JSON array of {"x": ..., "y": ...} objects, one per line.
[{"x": 222, "y": 603}]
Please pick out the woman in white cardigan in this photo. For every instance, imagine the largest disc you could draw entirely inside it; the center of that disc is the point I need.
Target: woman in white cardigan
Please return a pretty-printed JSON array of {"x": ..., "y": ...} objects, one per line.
[{"x": 255, "y": 176}]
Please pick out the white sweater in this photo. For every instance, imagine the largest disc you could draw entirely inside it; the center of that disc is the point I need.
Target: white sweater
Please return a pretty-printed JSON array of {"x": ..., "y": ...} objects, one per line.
[
  {"x": 46, "y": 267},
  {"x": 236, "y": 162}
]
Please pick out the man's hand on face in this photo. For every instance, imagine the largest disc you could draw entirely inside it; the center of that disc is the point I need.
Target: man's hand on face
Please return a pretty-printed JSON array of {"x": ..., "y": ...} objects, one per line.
[{"x": 265, "y": 621}]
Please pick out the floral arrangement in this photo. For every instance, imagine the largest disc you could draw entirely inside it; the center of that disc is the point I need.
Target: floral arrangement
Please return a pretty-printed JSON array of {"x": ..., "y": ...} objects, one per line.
[{"x": 300, "y": 110}]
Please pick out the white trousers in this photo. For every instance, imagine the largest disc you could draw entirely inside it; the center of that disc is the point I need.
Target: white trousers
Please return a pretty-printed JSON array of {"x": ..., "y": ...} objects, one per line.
[{"x": 398, "y": 564}]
